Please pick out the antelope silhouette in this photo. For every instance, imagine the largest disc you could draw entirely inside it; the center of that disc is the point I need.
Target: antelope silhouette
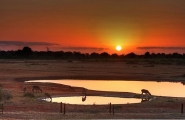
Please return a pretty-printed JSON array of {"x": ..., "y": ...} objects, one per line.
[
  {"x": 146, "y": 92},
  {"x": 84, "y": 91},
  {"x": 36, "y": 89},
  {"x": 71, "y": 89},
  {"x": 47, "y": 95},
  {"x": 146, "y": 95},
  {"x": 144, "y": 99},
  {"x": 84, "y": 94},
  {"x": 83, "y": 98}
]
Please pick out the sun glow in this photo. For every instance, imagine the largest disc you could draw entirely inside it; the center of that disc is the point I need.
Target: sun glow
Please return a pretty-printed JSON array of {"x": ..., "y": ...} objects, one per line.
[{"x": 118, "y": 48}]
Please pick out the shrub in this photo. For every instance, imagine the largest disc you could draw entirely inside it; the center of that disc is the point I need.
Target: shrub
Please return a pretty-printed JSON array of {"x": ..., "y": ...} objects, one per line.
[
  {"x": 30, "y": 95},
  {"x": 170, "y": 100},
  {"x": 5, "y": 95},
  {"x": 117, "y": 107}
]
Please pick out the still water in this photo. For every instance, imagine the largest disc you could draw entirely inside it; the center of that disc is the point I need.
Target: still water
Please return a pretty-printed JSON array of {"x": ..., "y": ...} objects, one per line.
[
  {"x": 95, "y": 100},
  {"x": 155, "y": 88}
]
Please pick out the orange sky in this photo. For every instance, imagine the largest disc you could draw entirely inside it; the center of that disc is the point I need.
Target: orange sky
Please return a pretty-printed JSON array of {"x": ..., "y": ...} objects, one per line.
[{"x": 93, "y": 25}]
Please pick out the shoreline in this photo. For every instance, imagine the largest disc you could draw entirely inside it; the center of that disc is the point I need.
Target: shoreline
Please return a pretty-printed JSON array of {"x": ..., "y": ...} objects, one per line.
[
  {"x": 23, "y": 79},
  {"x": 14, "y": 74},
  {"x": 119, "y": 89}
]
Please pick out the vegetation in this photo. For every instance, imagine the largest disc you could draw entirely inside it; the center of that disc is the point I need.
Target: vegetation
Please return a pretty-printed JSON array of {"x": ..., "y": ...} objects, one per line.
[
  {"x": 5, "y": 95},
  {"x": 30, "y": 95},
  {"x": 117, "y": 106},
  {"x": 131, "y": 58}
]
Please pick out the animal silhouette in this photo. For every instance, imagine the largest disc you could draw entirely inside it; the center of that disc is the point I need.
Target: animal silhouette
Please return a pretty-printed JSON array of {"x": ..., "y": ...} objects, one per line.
[
  {"x": 146, "y": 95},
  {"x": 84, "y": 94},
  {"x": 145, "y": 92},
  {"x": 71, "y": 89},
  {"x": 48, "y": 96},
  {"x": 36, "y": 89},
  {"x": 84, "y": 91},
  {"x": 144, "y": 99},
  {"x": 83, "y": 98}
]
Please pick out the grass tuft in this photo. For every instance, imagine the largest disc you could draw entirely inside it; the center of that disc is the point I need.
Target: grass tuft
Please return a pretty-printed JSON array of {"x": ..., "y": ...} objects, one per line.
[
  {"x": 30, "y": 95},
  {"x": 5, "y": 95}
]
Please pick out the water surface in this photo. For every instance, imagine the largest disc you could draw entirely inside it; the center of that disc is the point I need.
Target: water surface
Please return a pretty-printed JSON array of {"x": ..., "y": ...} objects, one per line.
[
  {"x": 155, "y": 88},
  {"x": 97, "y": 100}
]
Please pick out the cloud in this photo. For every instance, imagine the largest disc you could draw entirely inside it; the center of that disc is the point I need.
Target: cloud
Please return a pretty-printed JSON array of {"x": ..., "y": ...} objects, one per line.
[
  {"x": 20, "y": 43},
  {"x": 160, "y": 48},
  {"x": 85, "y": 48}
]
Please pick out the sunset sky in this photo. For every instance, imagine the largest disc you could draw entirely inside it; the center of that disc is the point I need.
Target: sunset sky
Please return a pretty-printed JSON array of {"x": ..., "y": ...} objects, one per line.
[{"x": 93, "y": 25}]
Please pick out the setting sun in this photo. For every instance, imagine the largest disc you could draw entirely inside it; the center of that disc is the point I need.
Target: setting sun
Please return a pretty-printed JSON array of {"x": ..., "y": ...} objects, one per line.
[{"x": 118, "y": 48}]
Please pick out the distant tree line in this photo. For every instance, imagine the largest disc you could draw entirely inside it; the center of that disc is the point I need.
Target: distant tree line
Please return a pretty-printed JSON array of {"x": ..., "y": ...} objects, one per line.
[{"x": 28, "y": 53}]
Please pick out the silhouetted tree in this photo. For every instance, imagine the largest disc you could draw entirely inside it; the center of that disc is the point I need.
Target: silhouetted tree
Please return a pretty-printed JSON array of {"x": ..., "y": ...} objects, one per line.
[
  {"x": 114, "y": 55},
  {"x": 24, "y": 53},
  {"x": 68, "y": 54},
  {"x": 168, "y": 56},
  {"x": 147, "y": 55},
  {"x": 104, "y": 55},
  {"x": 160, "y": 55},
  {"x": 87, "y": 55},
  {"x": 27, "y": 51},
  {"x": 122, "y": 56},
  {"x": 131, "y": 55},
  {"x": 153, "y": 55},
  {"x": 94, "y": 55},
  {"x": 176, "y": 55},
  {"x": 183, "y": 55},
  {"x": 77, "y": 55},
  {"x": 19, "y": 53},
  {"x": 58, "y": 54}
]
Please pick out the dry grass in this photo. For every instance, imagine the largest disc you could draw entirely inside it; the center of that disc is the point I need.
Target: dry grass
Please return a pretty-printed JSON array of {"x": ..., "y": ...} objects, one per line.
[{"x": 13, "y": 73}]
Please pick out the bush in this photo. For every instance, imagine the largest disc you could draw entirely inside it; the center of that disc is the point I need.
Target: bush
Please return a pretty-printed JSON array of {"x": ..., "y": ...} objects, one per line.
[
  {"x": 30, "y": 95},
  {"x": 117, "y": 107},
  {"x": 5, "y": 95}
]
